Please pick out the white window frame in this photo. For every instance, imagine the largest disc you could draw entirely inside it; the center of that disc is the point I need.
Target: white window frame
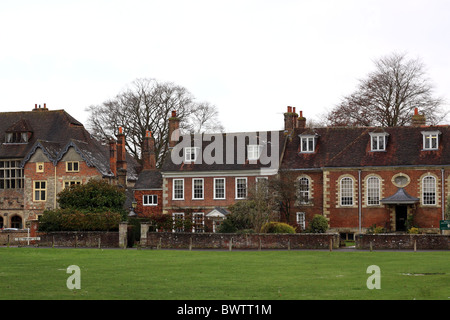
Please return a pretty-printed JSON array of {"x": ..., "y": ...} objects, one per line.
[
  {"x": 373, "y": 191},
  {"x": 310, "y": 143},
  {"x": 174, "y": 218},
  {"x": 173, "y": 189},
  {"x": 153, "y": 202},
  {"x": 301, "y": 219},
  {"x": 304, "y": 192},
  {"x": 224, "y": 188},
  {"x": 202, "y": 229},
  {"x": 377, "y": 137},
  {"x": 190, "y": 154},
  {"x": 236, "y": 187},
  {"x": 202, "y": 186},
  {"x": 254, "y": 151},
  {"x": 346, "y": 192},
  {"x": 428, "y": 138},
  {"x": 429, "y": 194}
]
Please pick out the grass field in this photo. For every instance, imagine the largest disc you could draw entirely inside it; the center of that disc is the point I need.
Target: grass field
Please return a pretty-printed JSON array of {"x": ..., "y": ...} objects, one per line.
[{"x": 40, "y": 273}]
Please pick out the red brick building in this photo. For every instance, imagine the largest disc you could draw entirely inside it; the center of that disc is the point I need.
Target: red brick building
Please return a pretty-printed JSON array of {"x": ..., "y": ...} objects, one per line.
[
  {"x": 359, "y": 177},
  {"x": 42, "y": 152}
]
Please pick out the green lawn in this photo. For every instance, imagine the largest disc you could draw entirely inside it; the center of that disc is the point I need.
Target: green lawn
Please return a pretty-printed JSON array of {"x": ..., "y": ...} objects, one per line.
[{"x": 40, "y": 273}]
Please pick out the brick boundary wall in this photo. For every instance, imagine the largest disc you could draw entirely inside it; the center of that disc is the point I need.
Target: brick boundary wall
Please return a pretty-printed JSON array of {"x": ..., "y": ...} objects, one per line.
[
  {"x": 403, "y": 241},
  {"x": 81, "y": 239},
  {"x": 187, "y": 240}
]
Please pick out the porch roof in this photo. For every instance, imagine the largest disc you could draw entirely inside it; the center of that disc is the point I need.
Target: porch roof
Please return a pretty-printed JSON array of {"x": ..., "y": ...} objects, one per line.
[{"x": 400, "y": 197}]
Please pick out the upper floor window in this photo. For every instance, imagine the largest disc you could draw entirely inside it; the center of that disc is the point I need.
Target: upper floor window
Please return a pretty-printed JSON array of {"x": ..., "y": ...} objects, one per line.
[
  {"x": 219, "y": 188},
  {"x": 254, "y": 152},
  {"x": 241, "y": 188},
  {"x": 430, "y": 140},
  {"x": 346, "y": 193},
  {"x": 178, "y": 189},
  {"x": 11, "y": 174},
  {"x": 190, "y": 154},
  {"x": 72, "y": 166},
  {"x": 197, "y": 188},
  {"x": 150, "y": 200},
  {"x": 307, "y": 143},
  {"x": 40, "y": 191},
  {"x": 16, "y": 137},
  {"x": 303, "y": 190},
  {"x": 429, "y": 190},
  {"x": 378, "y": 141}
]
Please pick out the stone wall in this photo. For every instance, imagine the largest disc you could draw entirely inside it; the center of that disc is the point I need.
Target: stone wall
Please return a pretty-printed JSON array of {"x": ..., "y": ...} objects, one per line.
[
  {"x": 187, "y": 240},
  {"x": 403, "y": 241}
]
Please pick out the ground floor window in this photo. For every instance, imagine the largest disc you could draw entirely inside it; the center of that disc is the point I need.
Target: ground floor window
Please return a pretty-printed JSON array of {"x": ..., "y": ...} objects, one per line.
[
  {"x": 178, "y": 222},
  {"x": 301, "y": 220},
  {"x": 198, "y": 222},
  {"x": 16, "y": 222}
]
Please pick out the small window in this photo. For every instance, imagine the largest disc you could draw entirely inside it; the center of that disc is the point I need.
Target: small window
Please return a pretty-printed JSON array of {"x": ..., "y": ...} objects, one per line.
[
  {"x": 190, "y": 154},
  {"x": 39, "y": 167},
  {"x": 254, "y": 152},
  {"x": 197, "y": 189},
  {"x": 219, "y": 188},
  {"x": 178, "y": 189},
  {"x": 378, "y": 141},
  {"x": 69, "y": 183},
  {"x": 72, "y": 166},
  {"x": 40, "y": 191},
  {"x": 430, "y": 140},
  {"x": 241, "y": 188},
  {"x": 307, "y": 143},
  {"x": 301, "y": 220},
  {"x": 150, "y": 200}
]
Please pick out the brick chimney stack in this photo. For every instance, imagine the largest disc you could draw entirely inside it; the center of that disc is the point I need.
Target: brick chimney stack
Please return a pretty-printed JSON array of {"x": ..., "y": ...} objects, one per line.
[
  {"x": 301, "y": 121},
  {"x": 290, "y": 119},
  {"x": 113, "y": 156},
  {"x": 148, "y": 152},
  {"x": 174, "y": 129},
  {"x": 121, "y": 159},
  {"x": 36, "y": 108},
  {"x": 417, "y": 119}
]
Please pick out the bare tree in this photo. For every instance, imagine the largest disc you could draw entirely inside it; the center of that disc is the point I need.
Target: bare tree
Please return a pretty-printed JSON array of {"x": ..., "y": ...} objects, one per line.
[
  {"x": 147, "y": 104},
  {"x": 388, "y": 96}
]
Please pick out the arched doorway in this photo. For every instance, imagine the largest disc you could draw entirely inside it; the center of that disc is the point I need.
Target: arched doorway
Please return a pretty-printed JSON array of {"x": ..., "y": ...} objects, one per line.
[{"x": 16, "y": 222}]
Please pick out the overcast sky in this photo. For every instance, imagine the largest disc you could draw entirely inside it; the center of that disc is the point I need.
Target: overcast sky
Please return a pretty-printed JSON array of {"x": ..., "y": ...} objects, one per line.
[{"x": 251, "y": 59}]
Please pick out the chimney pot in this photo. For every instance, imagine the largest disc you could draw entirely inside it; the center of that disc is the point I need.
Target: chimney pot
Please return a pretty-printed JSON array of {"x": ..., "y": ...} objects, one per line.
[
  {"x": 416, "y": 111},
  {"x": 174, "y": 114}
]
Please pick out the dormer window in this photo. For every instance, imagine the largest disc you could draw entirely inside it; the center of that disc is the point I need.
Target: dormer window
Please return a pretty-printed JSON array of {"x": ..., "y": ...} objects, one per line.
[
  {"x": 190, "y": 154},
  {"x": 378, "y": 141},
  {"x": 307, "y": 143},
  {"x": 16, "y": 137},
  {"x": 430, "y": 140},
  {"x": 254, "y": 152}
]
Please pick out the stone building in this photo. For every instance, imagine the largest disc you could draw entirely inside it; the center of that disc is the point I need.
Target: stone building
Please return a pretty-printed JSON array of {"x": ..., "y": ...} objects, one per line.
[{"x": 44, "y": 151}]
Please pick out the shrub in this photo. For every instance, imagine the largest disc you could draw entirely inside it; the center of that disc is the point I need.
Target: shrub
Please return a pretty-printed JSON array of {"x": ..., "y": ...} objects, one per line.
[
  {"x": 78, "y": 220},
  {"x": 374, "y": 229},
  {"x": 413, "y": 230},
  {"x": 277, "y": 227},
  {"x": 318, "y": 224}
]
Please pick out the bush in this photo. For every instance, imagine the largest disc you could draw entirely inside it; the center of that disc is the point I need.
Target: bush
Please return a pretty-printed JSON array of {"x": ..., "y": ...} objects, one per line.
[
  {"x": 413, "y": 230},
  {"x": 78, "y": 220},
  {"x": 374, "y": 229},
  {"x": 318, "y": 224},
  {"x": 277, "y": 227}
]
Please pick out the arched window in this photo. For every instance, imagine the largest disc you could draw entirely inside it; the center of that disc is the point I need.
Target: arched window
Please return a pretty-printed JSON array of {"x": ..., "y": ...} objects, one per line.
[
  {"x": 429, "y": 190},
  {"x": 346, "y": 191},
  {"x": 303, "y": 190},
  {"x": 373, "y": 191},
  {"x": 16, "y": 222}
]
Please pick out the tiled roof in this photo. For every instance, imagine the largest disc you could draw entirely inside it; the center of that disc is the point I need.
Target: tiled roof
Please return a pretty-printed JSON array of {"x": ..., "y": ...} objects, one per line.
[{"x": 351, "y": 147}]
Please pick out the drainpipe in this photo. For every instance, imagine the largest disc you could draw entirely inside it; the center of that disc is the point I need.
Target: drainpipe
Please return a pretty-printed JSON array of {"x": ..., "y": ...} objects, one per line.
[
  {"x": 443, "y": 194},
  {"x": 359, "y": 200}
]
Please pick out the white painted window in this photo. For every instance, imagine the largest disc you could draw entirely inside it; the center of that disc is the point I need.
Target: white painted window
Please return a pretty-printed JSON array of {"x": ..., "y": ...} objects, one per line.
[
  {"x": 254, "y": 152},
  {"x": 346, "y": 191},
  {"x": 429, "y": 190},
  {"x": 197, "y": 189},
  {"x": 178, "y": 189},
  {"x": 303, "y": 190},
  {"x": 190, "y": 154},
  {"x": 241, "y": 188},
  {"x": 373, "y": 191},
  {"x": 219, "y": 188},
  {"x": 301, "y": 220},
  {"x": 378, "y": 141},
  {"x": 307, "y": 143},
  {"x": 150, "y": 199},
  {"x": 178, "y": 222},
  {"x": 430, "y": 140},
  {"x": 198, "y": 222}
]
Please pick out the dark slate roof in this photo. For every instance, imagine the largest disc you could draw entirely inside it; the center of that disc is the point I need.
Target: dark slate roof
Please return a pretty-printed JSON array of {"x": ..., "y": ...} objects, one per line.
[
  {"x": 149, "y": 179},
  {"x": 55, "y": 132},
  {"x": 351, "y": 147},
  {"x": 400, "y": 197},
  {"x": 208, "y": 141}
]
